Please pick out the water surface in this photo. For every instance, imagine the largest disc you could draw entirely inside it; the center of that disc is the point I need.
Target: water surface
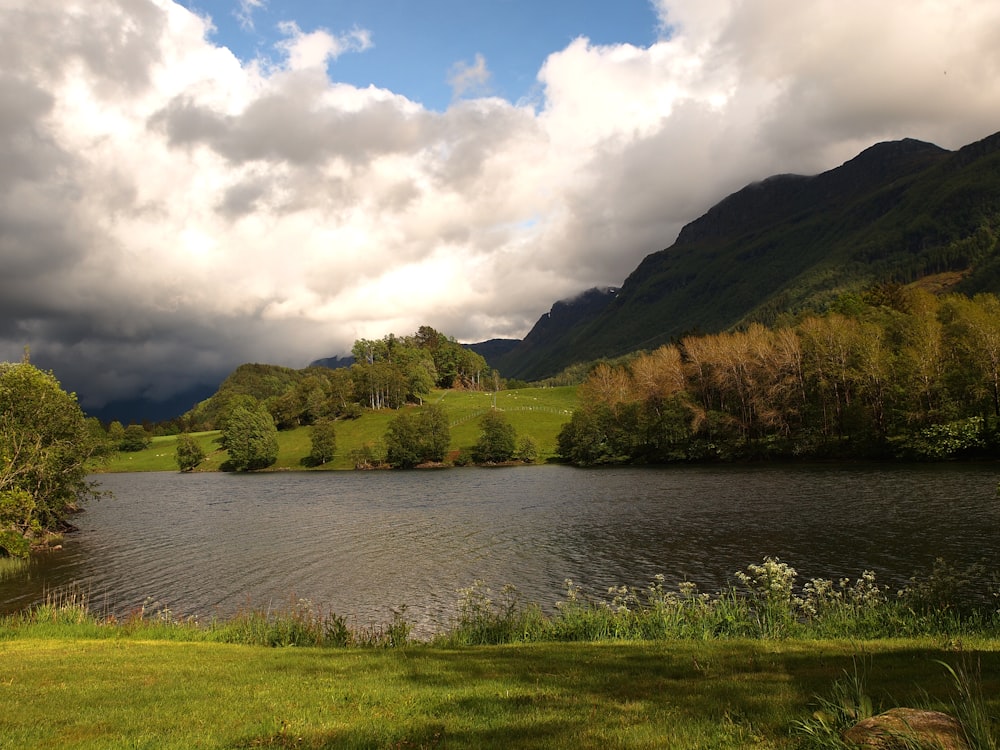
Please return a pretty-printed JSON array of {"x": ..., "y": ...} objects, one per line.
[{"x": 362, "y": 543}]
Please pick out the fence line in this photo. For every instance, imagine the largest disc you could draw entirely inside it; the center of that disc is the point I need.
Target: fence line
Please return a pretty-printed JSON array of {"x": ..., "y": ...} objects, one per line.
[{"x": 481, "y": 412}]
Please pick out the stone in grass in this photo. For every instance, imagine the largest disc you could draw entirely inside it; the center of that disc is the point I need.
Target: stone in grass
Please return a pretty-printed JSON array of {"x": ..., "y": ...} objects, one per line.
[{"x": 907, "y": 728}]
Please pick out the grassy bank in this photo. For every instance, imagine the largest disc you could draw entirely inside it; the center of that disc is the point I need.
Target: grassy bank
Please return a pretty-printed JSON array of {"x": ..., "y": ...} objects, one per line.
[
  {"x": 67, "y": 692},
  {"x": 538, "y": 413},
  {"x": 764, "y": 664}
]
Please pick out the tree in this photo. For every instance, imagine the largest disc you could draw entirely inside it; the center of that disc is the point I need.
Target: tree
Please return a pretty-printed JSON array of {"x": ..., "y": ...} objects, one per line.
[
  {"x": 416, "y": 437},
  {"x": 116, "y": 433},
  {"x": 45, "y": 450},
  {"x": 324, "y": 442},
  {"x": 403, "y": 449},
  {"x": 498, "y": 440},
  {"x": 189, "y": 453},
  {"x": 135, "y": 439},
  {"x": 250, "y": 437},
  {"x": 527, "y": 449}
]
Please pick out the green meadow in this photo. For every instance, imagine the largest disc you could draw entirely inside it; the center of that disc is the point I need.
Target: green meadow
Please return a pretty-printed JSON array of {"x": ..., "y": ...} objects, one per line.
[
  {"x": 121, "y": 690},
  {"x": 538, "y": 413}
]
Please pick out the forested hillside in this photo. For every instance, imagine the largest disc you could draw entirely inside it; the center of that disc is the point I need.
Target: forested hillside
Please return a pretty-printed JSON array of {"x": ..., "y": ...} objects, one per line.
[
  {"x": 896, "y": 373},
  {"x": 898, "y": 212}
]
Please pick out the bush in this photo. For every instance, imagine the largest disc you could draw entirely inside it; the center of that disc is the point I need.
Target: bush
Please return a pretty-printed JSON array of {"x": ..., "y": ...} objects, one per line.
[
  {"x": 134, "y": 439},
  {"x": 417, "y": 436},
  {"x": 189, "y": 454},
  {"x": 527, "y": 450},
  {"x": 324, "y": 442},
  {"x": 251, "y": 438},
  {"x": 498, "y": 440}
]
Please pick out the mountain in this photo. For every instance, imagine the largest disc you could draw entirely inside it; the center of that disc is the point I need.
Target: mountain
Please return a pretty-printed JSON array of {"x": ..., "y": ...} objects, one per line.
[
  {"x": 492, "y": 349},
  {"x": 898, "y": 212},
  {"x": 333, "y": 363}
]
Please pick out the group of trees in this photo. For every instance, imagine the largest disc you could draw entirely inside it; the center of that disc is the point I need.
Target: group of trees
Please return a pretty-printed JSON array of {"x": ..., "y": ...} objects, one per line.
[
  {"x": 46, "y": 444},
  {"x": 386, "y": 373},
  {"x": 422, "y": 436},
  {"x": 895, "y": 372},
  {"x": 390, "y": 372}
]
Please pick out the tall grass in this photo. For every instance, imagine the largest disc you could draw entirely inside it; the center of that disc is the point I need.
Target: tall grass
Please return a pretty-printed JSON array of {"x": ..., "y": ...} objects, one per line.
[
  {"x": 850, "y": 702},
  {"x": 11, "y": 567},
  {"x": 765, "y": 602}
]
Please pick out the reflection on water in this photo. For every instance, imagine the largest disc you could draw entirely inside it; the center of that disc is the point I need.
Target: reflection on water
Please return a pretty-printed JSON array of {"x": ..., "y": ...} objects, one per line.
[{"x": 363, "y": 543}]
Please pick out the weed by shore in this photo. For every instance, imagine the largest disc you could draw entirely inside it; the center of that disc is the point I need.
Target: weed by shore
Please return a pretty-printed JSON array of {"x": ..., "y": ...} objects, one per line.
[{"x": 766, "y": 602}]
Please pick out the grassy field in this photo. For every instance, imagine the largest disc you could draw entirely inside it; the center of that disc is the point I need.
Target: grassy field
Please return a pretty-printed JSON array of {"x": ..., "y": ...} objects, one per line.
[
  {"x": 538, "y": 413},
  {"x": 59, "y": 691}
]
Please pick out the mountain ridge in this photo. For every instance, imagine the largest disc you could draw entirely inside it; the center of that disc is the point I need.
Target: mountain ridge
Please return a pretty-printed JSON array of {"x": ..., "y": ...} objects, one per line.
[{"x": 897, "y": 211}]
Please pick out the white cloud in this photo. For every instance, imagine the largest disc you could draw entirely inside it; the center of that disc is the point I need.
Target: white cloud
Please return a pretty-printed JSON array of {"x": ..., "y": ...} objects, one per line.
[
  {"x": 314, "y": 49},
  {"x": 466, "y": 79},
  {"x": 245, "y": 10},
  {"x": 168, "y": 211}
]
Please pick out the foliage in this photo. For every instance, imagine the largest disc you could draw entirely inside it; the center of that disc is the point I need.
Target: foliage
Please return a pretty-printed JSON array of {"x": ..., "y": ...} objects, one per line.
[
  {"x": 498, "y": 441},
  {"x": 45, "y": 450},
  {"x": 250, "y": 438},
  {"x": 134, "y": 439},
  {"x": 189, "y": 452},
  {"x": 417, "y": 436},
  {"x": 766, "y": 602},
  {"x": 906, "y": 375},
  {"x": 527, "y": 449},
  {"x": 323, "y": 442},
  {"x": 941, "y": 441}
]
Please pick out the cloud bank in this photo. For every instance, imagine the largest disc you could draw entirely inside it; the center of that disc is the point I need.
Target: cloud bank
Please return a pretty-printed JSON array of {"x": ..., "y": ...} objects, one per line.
[{"x": 167, "y": 212}]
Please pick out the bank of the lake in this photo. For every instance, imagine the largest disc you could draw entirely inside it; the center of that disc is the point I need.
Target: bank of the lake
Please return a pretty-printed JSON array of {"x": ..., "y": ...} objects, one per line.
[{"x": 77, "y": 693}]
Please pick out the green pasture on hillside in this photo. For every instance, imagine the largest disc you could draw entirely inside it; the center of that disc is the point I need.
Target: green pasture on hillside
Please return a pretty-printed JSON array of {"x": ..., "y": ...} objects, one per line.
[
  {"x": 122, "y": 692},
  {"x": 538, "y": 413}
]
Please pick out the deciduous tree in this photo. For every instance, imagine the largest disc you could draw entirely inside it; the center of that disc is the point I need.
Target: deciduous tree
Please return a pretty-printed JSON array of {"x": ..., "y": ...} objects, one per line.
[
  {"x": 250, "y": 438},
  {"x": 45, "y": 450},
  {"x": 497, "y": 441},
  {"x": 323, "y": 441},
  {"x": 189, "y": 453}
]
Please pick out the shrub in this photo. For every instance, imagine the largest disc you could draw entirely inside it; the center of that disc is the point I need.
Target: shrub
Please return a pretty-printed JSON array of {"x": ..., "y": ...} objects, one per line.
[
  {"x": 498, "y": 439},
  {"x": 134, "y": 439},
  {"x": 189, "y": 453},
  {"x": 323, "y": 441}
]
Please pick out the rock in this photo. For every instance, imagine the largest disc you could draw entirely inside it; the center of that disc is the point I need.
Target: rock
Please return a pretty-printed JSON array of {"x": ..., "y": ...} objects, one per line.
[{"x": 900, "y": 728}]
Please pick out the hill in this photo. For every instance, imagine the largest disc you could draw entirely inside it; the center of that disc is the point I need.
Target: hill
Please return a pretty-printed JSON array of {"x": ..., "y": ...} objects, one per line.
[
  {"x": 538, "y": 413},
  {"x": 898, "y": 212}
]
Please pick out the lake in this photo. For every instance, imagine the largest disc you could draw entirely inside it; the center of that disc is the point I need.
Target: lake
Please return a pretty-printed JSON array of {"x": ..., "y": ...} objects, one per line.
[{"x": 362, "y": 543}]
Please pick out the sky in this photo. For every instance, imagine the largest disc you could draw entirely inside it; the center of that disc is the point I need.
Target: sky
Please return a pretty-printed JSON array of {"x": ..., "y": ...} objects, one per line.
[{"x": 187, "y": 186}]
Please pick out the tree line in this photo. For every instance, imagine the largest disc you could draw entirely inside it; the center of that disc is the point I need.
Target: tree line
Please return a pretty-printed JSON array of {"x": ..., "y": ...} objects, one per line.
[
  {"x": 895, "y": 372},
  {"x": 256, "y": 401},
  {"x": 386, "y": 374}
]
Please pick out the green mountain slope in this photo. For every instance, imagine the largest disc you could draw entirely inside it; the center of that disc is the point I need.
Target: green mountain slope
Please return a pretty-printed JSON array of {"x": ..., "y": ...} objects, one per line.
[{"x": 897, "y": 212}]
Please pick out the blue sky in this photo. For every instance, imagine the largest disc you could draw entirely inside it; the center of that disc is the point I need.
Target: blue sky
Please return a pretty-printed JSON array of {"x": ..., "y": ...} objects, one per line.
[
  {"x": 417, "y": 44},
  {"x": 179, "y": 197}
]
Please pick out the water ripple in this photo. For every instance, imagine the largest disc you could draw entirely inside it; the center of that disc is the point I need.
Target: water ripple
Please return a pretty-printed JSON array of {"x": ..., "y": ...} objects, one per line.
[{"x": 361, "y": 543}]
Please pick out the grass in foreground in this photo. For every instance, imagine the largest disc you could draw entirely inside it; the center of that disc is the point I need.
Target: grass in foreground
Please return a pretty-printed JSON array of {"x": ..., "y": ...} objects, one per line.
[
  {"x": 760, "y": 666},
  {"x": 124, "y": 692}
]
